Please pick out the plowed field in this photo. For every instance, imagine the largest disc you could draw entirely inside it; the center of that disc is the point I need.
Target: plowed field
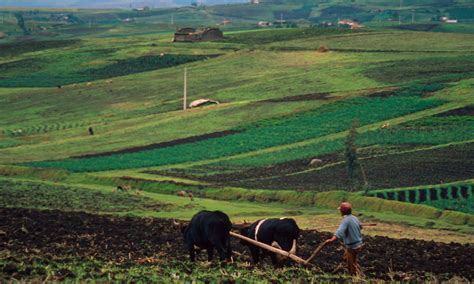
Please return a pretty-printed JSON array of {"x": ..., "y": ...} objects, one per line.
[{"x": 61, "y": 235}]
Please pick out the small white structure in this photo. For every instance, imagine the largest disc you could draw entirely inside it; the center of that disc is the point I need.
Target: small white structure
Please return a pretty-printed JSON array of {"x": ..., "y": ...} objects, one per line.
[
  {"x": 203, "y": 102},
  {"x": 448, "y": 20},
  {"x": 264, "y": 24},
  {"x": 254, "y": 1},
  {"x": 350, "y": 23},
  {"x": 315, "y": 162}
]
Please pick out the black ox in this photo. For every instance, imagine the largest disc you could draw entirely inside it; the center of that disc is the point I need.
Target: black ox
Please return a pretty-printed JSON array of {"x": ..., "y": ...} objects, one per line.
[
  {"x": 208, "y": 230},
  {"x": 280, "y": 233}
]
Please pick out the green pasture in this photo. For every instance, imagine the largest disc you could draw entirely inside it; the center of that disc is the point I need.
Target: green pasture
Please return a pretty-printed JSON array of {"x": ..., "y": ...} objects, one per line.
[{"x": 333, "y": 118}]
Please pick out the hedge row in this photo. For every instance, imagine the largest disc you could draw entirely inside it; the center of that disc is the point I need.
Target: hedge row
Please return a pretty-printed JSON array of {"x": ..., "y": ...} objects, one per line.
[{"x": 321, "y": 199}]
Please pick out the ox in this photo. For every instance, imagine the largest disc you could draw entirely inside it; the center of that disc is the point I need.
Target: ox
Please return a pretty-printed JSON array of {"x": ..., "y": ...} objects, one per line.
[
  {"x": 280, "y": 233},
  {"x": 208, "y": 230}
]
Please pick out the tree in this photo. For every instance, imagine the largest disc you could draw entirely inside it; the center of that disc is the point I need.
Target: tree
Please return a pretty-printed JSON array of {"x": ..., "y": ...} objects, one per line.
[
  {"x": 350, "y": 155},
  {"x": 21, "y": 22}
]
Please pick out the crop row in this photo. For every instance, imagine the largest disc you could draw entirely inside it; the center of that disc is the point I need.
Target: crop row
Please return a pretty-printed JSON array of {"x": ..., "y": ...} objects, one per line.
[
  {"x": 454, "y": 197},
  {"x": 142, "y": 64},
  {"x": 23, "y": 131},
  {"x": 65, "y": 68},
  {"x": 331, "y": 118},
  {"x": 17, "y": 48},
  {"x": 425, "y": 131},
  {"x": 263, "y": 37},
  {"x": 428, "y": 194},
  {"x": 433, "y": 69}
]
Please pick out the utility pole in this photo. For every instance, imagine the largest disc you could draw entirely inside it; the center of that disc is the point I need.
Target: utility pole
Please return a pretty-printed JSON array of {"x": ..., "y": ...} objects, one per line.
[
  {"x": 90, "y": 23},
  {"x": 172, "y": 19},
  {"x": 185, "y": 91}
]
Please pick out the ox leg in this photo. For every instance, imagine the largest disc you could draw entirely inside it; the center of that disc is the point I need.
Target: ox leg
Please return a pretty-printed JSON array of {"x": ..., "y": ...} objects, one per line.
[
  {"x": 191, "y": 250},
  {"x": 229, "y": 250},
  {"x": 221, "y": 250},
  {"x": 274, "y": 258},
  {"x": 255, "y": 251},
  {"x": 210, "y": 253}
]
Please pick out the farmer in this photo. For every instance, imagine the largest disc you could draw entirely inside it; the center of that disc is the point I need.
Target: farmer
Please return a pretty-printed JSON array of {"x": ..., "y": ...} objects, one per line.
[{"x": 349, "y": 233}]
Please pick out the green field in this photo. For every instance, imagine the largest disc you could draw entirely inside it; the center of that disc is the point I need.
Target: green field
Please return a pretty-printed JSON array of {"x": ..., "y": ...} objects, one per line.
[{"x": 287, "y": 95}]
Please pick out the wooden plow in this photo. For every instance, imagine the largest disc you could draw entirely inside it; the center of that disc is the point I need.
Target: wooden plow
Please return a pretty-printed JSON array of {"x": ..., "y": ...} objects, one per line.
[
  {"x": 291, "y": 256},
  {"x": 287, "y": 254}
]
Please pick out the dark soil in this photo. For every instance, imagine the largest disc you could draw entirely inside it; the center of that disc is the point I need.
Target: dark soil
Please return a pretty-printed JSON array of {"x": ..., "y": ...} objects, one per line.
[
  {"x": 417, "y": 27},
  {"x": 465, "y": 111},
  {"x": 383, "y": 94},
  {"x": 435, "y": 166},
  {"x": 187, "y": 140},
  {"x": 17, "y": 48},
  {"x": 61, "y": 235},
  {"x": 305, "y": 97},
  {"x": 254, "y": 173},
  {"x": 433, "y": 194}
]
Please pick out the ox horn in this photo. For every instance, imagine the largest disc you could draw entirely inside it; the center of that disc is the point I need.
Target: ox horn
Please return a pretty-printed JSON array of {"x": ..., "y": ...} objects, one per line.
[
  {"x": 276, "y": 245},
  {"x": 293, "y": 248},
  {"x": 176, "y": 223}
]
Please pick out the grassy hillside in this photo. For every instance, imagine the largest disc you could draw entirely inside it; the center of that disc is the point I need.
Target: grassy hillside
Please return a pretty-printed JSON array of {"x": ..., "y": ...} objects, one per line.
[
  {"x": 284, "y": 100},
  {"x": 274, "y": 146}
]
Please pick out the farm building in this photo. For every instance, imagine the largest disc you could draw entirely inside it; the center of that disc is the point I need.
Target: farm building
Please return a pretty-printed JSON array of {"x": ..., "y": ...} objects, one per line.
[
  {"x": 264, "y": 24},
  {"x": 203, "y": 102},
  {"x": 225, "y": 22},
  {"x": 448, "y": 20},
  {"x": 192, "y": 35},
  {"x": 350, "y": 23}
]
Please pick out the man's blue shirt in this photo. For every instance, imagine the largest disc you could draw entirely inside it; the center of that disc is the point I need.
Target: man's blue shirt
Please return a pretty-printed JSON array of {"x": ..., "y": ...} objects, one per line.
[{"x": 349, "y": 231}]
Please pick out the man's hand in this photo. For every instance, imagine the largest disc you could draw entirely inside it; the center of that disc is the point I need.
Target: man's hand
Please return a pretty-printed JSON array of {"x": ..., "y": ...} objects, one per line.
[{"x": 331, "y": 240}]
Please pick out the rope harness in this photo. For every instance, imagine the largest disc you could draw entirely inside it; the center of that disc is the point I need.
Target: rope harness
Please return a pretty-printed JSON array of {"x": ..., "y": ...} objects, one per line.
[{"x": 258, "y": 228}]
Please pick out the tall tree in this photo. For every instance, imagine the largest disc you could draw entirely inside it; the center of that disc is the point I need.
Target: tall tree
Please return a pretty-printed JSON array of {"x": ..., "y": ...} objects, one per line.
[
  {"x": 21, "y": 22},
  {"x": 350, "y": 155}
]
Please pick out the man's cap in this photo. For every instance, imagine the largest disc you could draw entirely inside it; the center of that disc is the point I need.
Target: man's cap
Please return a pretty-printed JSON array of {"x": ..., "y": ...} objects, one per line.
[{"x": 345, "y": 207}]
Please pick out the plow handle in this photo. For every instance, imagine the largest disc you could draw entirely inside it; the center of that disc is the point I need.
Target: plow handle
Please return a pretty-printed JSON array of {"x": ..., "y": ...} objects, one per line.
[{"x": 315, "y": 252}]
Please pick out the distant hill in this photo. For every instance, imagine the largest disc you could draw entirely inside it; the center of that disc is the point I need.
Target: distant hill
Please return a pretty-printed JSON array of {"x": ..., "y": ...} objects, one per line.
[{"x": 110, "y": 3}]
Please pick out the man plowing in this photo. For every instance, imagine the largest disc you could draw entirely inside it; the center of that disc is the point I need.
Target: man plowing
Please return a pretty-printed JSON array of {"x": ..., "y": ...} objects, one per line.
[{"x": 349, "y": 232}]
